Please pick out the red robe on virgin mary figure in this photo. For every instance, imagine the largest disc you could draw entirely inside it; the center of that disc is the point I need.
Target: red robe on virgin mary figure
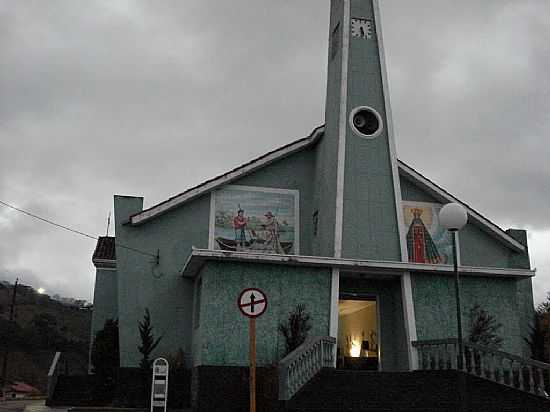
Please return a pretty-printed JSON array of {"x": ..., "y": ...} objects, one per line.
[{"x": 420, "y": 244}]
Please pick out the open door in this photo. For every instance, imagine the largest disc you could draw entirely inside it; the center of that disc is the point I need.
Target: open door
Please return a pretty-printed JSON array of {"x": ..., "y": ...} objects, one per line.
[{"x": 358, "y": 334}]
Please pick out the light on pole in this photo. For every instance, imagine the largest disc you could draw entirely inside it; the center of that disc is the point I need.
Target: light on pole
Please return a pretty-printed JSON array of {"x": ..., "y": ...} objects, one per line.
[{"x": 453, "y": 217}]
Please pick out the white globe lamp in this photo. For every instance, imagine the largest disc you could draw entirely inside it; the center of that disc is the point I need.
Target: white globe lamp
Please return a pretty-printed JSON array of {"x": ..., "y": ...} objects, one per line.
[{"x": 453, "y": 216}]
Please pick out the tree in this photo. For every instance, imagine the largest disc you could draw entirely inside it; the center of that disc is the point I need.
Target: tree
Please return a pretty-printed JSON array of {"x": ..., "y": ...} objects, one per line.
[
  {"x": 105, "y": 354},
  {"x": 539, "y": 335},
  {"x": 484, "y": 328},
  {"x": 544, "y": 307},
  {"x": 45, "y": 329},
  {"x": 296, "y": 328},
  {"x": 148, "y": 342}
]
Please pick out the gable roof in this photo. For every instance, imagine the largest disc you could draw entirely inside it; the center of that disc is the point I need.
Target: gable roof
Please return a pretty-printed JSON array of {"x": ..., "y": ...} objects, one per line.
[
  {"x": 104, "y": 253},
  {"x": 445, "y": 197},
  {"x": 301, "y": 144},
  {"x": 228, "y": 177}
]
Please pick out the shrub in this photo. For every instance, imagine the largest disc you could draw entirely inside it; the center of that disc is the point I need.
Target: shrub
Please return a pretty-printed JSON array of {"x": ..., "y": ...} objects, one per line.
[
  {"x": 484, "y": 328},
  {"x": 296, "y": 328}
]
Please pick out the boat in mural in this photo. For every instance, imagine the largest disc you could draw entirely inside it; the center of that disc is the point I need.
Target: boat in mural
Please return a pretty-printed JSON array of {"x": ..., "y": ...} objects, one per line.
[{"x": 252, "y": 244}]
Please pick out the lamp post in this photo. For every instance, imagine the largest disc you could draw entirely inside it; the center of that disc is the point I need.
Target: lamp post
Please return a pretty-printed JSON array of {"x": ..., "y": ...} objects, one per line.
[{"x": 453, "y": 217}]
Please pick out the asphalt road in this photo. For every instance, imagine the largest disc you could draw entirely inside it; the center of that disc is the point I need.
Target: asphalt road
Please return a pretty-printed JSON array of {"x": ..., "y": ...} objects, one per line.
[
  {"x": 26, "y": 406},
  {"x": 14, "y": 406}
]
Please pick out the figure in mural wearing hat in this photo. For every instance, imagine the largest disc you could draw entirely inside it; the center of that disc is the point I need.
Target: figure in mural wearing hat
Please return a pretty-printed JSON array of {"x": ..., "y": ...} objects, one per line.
[
  {"x": 271, "y": 226},
  {"x": 422, "y": 248},
  {"x": 239, "y": 224}
]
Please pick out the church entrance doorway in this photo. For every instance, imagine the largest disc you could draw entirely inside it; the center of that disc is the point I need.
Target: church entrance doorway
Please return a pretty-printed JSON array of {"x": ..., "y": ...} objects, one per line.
[{"x": 358, "y": 333}]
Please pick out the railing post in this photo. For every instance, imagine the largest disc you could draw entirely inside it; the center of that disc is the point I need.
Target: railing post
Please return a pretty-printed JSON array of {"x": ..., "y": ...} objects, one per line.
[
  {"x": 541, "y": 389},
  {"x": 500, "y": 370},
  {"x": 520, "y": 377},
  {"x": 531, "y": 379},
  {"x": 454, "y": 357}
]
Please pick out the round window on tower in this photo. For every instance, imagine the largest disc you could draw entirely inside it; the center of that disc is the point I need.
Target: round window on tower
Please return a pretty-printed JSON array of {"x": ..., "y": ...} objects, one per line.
[{"x": 366, "y": 122}]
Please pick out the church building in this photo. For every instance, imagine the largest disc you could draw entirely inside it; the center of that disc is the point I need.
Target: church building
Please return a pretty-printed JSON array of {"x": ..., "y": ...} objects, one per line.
[{"x": 333, "y": 221}]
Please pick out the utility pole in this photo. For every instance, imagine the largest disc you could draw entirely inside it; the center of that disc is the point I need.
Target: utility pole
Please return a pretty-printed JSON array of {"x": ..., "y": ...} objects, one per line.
[
  {"x": 6, "y": 349},
  {"x": 108, "y": 223}
]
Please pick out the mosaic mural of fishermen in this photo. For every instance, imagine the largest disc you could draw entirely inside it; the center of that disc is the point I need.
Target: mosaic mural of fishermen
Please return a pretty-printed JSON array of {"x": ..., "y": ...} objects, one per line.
[
  {"x": 427, "y": 240},
  {"x": 255, "y": 219}
]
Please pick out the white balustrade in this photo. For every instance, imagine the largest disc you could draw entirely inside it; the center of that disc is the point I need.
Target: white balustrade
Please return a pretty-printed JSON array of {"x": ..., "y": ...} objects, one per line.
[
  {"x": 302, "y": 364},
  {"x": 504, "y": 368}
]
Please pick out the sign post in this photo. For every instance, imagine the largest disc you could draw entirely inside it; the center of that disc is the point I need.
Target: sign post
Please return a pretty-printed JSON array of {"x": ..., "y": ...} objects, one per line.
[
  {"x": 159, "y": 386},
  {"x": 252, "y": 303}
]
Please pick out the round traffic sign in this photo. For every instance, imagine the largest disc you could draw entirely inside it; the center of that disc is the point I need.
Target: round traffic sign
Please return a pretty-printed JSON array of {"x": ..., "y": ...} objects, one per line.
[{"x": 252, "y": 302}]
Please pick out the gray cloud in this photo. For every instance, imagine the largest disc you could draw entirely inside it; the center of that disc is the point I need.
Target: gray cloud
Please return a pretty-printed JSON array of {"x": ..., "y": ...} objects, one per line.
[{"x": 149, "y": 98}]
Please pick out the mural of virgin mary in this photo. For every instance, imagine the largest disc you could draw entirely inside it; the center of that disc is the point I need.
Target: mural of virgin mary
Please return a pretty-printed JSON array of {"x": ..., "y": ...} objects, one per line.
[{"x": 421, "y": 247}]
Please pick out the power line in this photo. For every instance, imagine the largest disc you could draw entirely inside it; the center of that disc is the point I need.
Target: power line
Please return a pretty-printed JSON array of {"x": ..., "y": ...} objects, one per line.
[{"x": 78, "y": 232}]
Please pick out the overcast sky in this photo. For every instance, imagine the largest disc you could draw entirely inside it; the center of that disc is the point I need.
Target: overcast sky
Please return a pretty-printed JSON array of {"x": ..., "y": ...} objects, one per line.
[{"x": 149, "y": 98}]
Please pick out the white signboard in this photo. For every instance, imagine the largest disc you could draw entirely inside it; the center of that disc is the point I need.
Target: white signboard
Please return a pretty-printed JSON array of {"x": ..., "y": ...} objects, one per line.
[
  {"x": 252, "y": 302},
  {"x": 159, "y": 385}
]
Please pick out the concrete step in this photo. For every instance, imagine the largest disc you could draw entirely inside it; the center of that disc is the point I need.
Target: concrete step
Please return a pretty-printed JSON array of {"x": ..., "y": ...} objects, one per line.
[{"x": 427, "y": 391}]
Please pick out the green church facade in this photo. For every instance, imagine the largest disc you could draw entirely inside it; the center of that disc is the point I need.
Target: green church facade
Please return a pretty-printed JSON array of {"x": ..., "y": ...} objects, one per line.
[{"x": 330, "y": 221}]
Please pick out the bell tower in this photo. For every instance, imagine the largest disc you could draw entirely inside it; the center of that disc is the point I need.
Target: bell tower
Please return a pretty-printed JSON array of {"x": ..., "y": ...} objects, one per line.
[
  {"x": 358, "y": 151},
  {"x": 358, "y": 192}
]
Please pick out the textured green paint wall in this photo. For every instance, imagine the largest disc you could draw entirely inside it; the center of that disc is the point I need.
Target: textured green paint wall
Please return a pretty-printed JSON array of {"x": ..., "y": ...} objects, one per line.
[
  {"x": 142, "y": 284},
  {"x": 105, "y": 298},
  {"x": 293, "y": 172},
  {"x": 477, "y": 248},
  {"x": 370, "y": 228},
  {"x": 324, "y": 200},
  {"x": 393, "y": 342},
  {"x": 412, "y": 193},
  {"x": 519, "y": 260},
  {"x": 435, "y": 306},
  {"x": 224, "y": 330}
]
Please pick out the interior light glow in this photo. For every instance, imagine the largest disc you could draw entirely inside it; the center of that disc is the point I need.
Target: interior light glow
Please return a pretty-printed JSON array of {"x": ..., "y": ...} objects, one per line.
[{"x": 355, "y": 350}]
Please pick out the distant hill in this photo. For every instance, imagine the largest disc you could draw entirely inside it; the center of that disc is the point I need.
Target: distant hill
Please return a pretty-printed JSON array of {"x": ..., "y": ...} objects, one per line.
[{"x": 42, "y": 327}]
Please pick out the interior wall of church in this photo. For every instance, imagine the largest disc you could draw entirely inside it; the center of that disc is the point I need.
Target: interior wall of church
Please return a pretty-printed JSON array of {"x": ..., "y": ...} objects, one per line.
[{"x": 358, "y": 327}]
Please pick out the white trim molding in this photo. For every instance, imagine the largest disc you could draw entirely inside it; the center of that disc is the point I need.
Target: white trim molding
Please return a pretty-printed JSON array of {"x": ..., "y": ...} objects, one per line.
[
  {"x": 334, "y": 306},
  {"x": 212, "y": 220},
  {"x": 406, "y": 285},
  {"x": 198, "y": 257},
  {"x": 410, "y": 319},
  {"x": 342, "y": 129}
]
